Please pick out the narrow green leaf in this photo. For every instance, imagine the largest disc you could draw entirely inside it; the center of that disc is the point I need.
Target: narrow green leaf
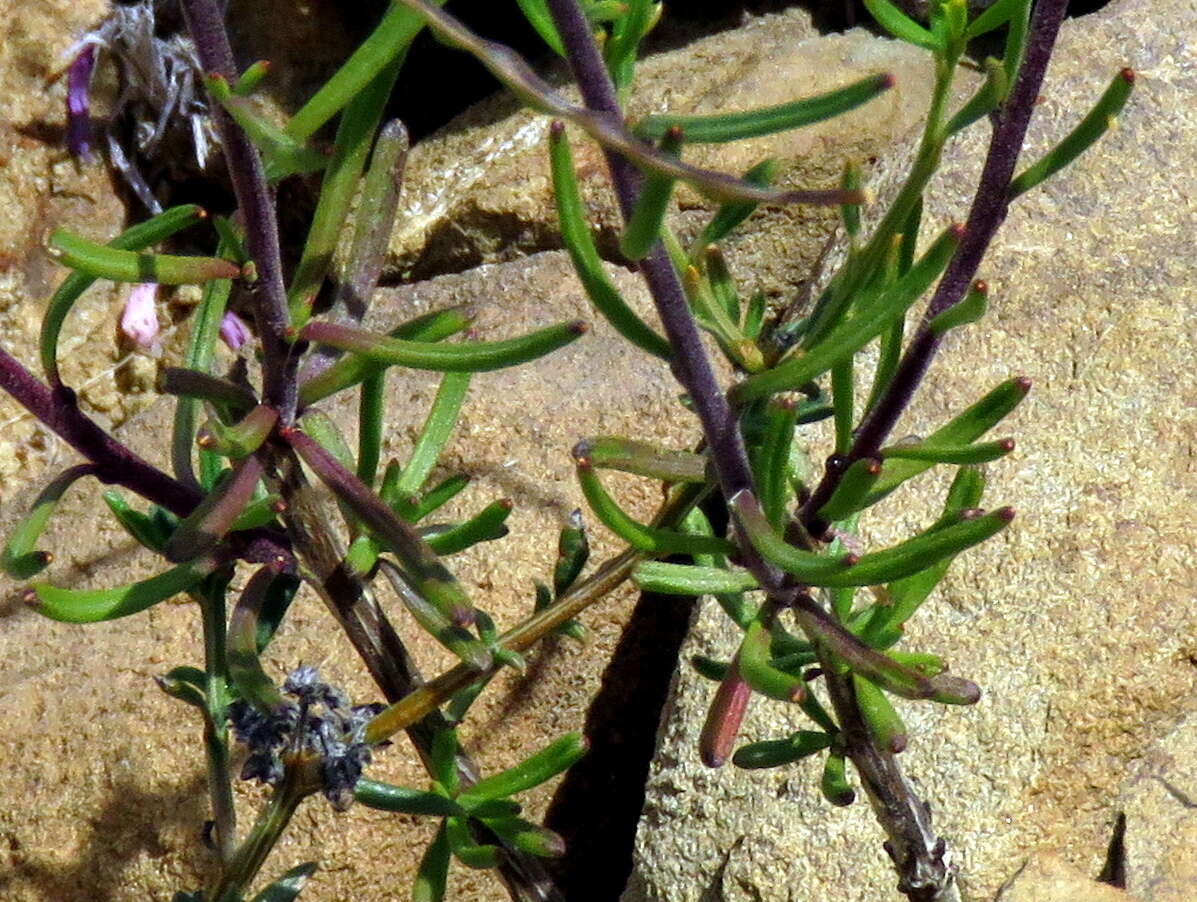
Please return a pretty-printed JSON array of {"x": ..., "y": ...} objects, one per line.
[
  {"x": 990, "y": 96},
  {"x": 442, "y": 418},
  {"x": 443, "y": 759},
  {"x": 371, "y": 419},
  {"x": 553, "y": 759},
  {"x": 811, "y": 568},
  {"x": 341, "y": 182},
  {"x": 288, "y": 887},
  {"x": 93, "y": 605},
  {"x": 883, "y": 626},
  {"x": 1099, "y": 120},
  {"x": 729, "y": 216},
  {"x": 468, "y": 357},
  {"x": 241, "y": 653},
  {"x": 630, "y": 29},
  {"x": 970, "y": 309},
  {"x": 103, "y": 261},
  {"x": 388, "y": 797},
  {"x": 901, "y": 26},
  {"x": 854, "y": 486},
  {"x": 724, "y": 127},
  {"x": 709, "y": 668},
  {"x": 149, "y": 531},
  {"x": 227, "y": 396},
  {"x": 649, "y": 539},
  {"x": 282, "y": 154},
  {"x": 993, "y": 18},
  {"x": 980, "y": 453},
  {"x": 713, "y": 316},
  {"x": 573, "y": 550},
  {"x": 644, "y": 225},
  {"x": 385, "y": 44},
  {"x": 137, "y": 238},
  {"x": 758, "y": 673},
  {"x": 776, "y": 752},
  {"x": 856, "y": 331},
  {"x": 850, "y": 213},
  {"x": 201, "y": 531},
  {"x": 684, "y": 579},
  {"x": 575, "y": 233},
  {"x": 834, "y": 782},
  {"x": 527, "y": 837},
  {"x": 964, "y": 429},
  {"x": 473, "y": 652},
  {"x": 20, "y": 558},
  {"x": 433, "y": 873},
  {"x": 242, "y": 438},
  {"x": 183, "y": 691},
  {"x": 438, "y": 496},
  {"x": 884, "y": 722},
  {"x": 465, "y": 850},
  {"x": 610, "y": 452},
  {"x": 909, "y": 557},
  {"x": 537, "y": 14},
  {"x": 201, "y": 348},
  {"x": 485, "y": 526},
  {"x": 772, "y": 470},
  {"x": 249, "y": 80},
  {"x": 696, "y": 523},
  {"x": 351, "y": 370}
]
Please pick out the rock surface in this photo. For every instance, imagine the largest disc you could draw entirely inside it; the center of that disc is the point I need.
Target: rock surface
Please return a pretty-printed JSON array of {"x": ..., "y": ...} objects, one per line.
[
  {"x": 480, "y": 190},
  {"x": 1048, "y": 878},
  {"x": 1079, "y": 621},
  {"x": 41, "y": 189}
]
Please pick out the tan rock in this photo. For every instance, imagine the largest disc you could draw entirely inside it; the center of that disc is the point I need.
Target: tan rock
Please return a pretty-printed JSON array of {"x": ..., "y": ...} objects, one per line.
[
  {"x": 1160, "y": 802},
  {"x": 479, "y": 191},
  {"x": 42, "y": 189},
  {"x": 1046, "y": 877}
]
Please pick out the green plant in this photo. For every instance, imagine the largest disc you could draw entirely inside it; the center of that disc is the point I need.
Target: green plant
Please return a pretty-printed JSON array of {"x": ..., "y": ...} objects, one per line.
[{"x": 784, "y": 572}]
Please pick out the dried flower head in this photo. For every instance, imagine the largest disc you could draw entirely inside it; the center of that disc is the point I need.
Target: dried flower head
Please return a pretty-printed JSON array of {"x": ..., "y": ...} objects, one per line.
[{"x": 320, "y": 722}]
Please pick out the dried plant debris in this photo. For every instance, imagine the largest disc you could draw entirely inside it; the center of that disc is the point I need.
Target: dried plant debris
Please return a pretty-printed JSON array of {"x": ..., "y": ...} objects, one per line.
[{"x": 158, "y": 122}]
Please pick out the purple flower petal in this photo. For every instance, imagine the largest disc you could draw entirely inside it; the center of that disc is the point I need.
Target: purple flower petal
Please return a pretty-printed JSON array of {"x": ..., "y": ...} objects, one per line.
[
  {"x": 233, "y": 331},
  {"x": 78, "y": 103}
]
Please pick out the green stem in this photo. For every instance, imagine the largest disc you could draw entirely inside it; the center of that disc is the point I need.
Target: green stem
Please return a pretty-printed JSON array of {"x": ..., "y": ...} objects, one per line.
[
  {"x": 266, "y": 832},
  {"x": 216, "y": 737}
]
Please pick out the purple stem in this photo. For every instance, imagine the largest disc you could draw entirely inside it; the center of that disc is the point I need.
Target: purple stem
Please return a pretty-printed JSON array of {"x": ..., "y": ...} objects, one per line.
[
  {"x": 59, "y": 410},
  {"x": 114, "y": 463},
  {"x": 205, "y": 22},
  {"x": 990, "y": 206}
]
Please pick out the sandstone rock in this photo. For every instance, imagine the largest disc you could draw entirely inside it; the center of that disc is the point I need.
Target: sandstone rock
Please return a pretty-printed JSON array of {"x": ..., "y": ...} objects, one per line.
[
  {"x": 1160, "y": 801},
  {"x": 479, "y": 191},
  {"x": 1048, "y": 878},
  {"x": 1078, "y": 622},
  {"x": 109, "y": 792},
  {"x": 42, "y": 189}
]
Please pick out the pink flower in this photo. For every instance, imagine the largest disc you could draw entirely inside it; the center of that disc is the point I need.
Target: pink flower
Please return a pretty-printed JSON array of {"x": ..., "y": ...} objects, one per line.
[
  {"x": 234, "y": 331},
  {"x": 139, "y": 320}
]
